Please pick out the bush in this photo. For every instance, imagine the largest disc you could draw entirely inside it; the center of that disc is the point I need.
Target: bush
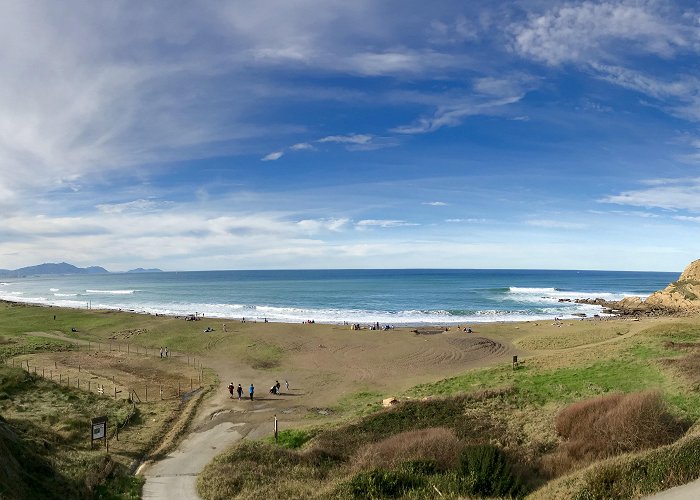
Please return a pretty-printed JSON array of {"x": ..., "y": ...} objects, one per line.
[
  {"x": 610, "y": 425},
  {"x": 486, "y": 471},
  {"x": 440, "y": 445},
  {"x": 382, "y": 483}
]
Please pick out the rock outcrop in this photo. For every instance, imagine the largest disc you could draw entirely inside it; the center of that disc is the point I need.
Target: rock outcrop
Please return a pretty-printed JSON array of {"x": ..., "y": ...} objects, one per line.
[{"x": 682, "y": 295}]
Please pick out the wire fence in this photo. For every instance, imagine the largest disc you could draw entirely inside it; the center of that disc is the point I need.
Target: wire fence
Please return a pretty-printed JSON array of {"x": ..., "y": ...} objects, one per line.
[{"x": 89, "y": 379}]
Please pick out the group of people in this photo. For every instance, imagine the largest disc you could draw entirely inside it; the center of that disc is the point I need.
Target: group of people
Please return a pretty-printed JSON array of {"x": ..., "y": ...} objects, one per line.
[
  {"x": 164, "y": 352},
  {"x": 275, "y": 389}
]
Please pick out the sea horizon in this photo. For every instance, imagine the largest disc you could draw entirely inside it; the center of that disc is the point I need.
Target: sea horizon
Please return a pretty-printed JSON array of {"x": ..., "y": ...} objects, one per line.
[{"x": 397, "y": 297}]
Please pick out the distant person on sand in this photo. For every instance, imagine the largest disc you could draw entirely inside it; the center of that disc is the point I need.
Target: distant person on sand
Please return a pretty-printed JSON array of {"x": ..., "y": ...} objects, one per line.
[
  {"x": 161, "y": 352},
  {"x": 251, "y": 391},
  {"x": 240, "y": 392},
  {"x": 277, "y": 386},
  {"x": 230, "y": 390},
  {"x": 286, "y": 384},
  {"x": 166, "y": 351}
]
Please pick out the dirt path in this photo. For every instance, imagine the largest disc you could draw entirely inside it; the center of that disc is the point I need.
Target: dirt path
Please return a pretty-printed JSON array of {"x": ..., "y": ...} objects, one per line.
[
  {"x": 175, "y": 476},
  {"x": 690, "y": 491}
]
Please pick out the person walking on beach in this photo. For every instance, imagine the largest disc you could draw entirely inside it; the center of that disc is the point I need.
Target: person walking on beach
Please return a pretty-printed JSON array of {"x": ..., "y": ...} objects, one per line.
[
  {"x": 161, "y": 352},
  {"x": 230, "y": 390},
  {"x": 286, "y": 384},
  {"x": 277, "y": 386},
  {"x": 240, "y": 392},
  {"x": 166, "y": 351},
  {"x": 251, "y": 391}
]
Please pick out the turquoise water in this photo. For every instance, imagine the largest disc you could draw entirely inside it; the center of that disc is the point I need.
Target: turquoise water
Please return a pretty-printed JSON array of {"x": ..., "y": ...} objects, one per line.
[{"x": 396, "y": 297}]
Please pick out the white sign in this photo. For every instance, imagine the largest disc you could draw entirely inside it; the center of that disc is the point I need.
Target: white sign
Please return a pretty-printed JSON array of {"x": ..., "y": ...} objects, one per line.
[{"x": 98, "y": 430}]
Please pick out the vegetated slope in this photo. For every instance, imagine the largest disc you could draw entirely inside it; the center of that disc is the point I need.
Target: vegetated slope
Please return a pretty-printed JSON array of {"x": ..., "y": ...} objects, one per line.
[
  {"x": 24, "y": 473},
  {"x": 681, "y": 295},
  {"x": 533, "y": 429}
]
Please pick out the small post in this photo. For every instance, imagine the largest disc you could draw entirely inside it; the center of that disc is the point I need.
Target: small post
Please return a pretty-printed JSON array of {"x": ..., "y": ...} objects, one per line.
[
  {"x": 161, "y": 392},
  {"x": 78, "y": 368},
  {"x": 147, "y": 394},
  {"x": 178, "y": 388},
  {"x": 55, "y": 365},
  {"x": 89, "y": 384},
  {"x": 68, "y": 380},
  {"x": 190, "y": 384},
  {"x": 515, "y": 362},
  {"x": 78, "y": 383},
  {"x": 115, "y": 392},
  {"x": 127, "y": 348},
  {"x": 60, "y": 378},
  {"x": 275, "y": 428},
  {"x": 112, "y": 378}
]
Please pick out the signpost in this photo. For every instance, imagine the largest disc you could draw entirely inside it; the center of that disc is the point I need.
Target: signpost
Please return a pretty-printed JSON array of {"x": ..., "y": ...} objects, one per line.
[{"x": 98, "y": 430}]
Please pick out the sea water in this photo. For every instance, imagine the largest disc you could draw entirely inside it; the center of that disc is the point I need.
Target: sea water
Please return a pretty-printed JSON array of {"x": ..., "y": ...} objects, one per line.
[{"x": 393, "y": 297}]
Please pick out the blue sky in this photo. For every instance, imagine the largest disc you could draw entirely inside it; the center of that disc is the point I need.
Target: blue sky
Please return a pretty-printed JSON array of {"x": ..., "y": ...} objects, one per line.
[{"x": 364, "y": 134}]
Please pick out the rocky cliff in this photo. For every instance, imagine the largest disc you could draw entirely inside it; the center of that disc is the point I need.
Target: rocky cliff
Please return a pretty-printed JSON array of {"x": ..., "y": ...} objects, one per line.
[{"x": 682, "y": 295}]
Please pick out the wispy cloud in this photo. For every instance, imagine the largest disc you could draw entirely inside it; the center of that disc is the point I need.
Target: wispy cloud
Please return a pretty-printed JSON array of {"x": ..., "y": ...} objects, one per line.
[
  {"x": 435, "y": 203},
  {"x": 453, "y": 114},
  {"x": 598, "y": 31},
  {"x": 670, "y": 194},
  {"x": 273, "y": 156},
  {"x": 302, "y": 146},
  {"x": 348, "y": 139},
  {"x": 555, "y": 224},
  {"x": 383, "y": 223}
]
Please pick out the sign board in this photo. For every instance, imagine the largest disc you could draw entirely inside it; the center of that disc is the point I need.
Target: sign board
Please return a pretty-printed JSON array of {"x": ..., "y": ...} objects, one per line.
[{"x": 98, "y": 428}]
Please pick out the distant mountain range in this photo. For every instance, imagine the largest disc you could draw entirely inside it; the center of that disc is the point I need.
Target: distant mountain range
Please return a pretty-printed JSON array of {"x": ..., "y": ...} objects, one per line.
[{"x": 64, "y": 268}]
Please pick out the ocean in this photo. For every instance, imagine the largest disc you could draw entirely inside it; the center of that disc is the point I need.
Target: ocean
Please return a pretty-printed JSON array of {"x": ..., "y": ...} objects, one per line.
[{"x": 393, "y": 297}]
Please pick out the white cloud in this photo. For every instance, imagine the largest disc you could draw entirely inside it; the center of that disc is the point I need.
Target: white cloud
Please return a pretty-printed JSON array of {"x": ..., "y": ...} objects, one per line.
[
  {"x": 273, "y": 156},
  {"x": 555, "y": 224},
  {"x": 302, "y": 146},
  {"x": 383, "y": 223},
  {"x": 594, "y": 31},
  {"x": 130, "y": 206},
  {"x": 470, "y": 220},
  {"x": 670, "y": 194},
  {"x": 435, "y": 203},
  {"x": 452, "y": 114},
  {"x": 317, "y": 225},
  {"x": 348, "y": 139}
]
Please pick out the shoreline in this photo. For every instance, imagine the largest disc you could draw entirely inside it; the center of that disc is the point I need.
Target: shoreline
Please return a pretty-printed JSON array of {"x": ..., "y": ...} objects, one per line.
[{"x": 601, "y": 314}]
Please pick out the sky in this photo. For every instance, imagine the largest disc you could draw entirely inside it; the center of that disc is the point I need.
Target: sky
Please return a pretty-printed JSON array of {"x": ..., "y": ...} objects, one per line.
[{"x": 366, "y": 134}]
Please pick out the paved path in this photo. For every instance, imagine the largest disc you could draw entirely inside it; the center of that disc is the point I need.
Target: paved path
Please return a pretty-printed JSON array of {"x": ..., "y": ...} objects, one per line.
[
  {"x": 690, "y": 491},
  {"x": 175, "y": 477}
]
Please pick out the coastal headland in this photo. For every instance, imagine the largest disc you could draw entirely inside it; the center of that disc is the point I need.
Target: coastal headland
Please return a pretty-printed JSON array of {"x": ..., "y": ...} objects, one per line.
[{"x": 330, "y": 418}]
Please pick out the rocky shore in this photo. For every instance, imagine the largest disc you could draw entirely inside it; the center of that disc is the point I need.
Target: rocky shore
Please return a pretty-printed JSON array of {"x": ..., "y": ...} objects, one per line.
[{"x": 679, "y": 298}]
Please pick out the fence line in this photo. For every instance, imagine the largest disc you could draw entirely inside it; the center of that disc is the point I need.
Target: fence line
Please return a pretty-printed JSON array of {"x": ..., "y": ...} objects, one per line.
[{"x": 130, "y": 392}]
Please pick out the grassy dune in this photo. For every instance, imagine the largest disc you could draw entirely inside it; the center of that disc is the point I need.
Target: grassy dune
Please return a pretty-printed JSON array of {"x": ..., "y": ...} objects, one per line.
[
  {"x": 514, "y": 411},
  {"x": 456, "y": 431}
]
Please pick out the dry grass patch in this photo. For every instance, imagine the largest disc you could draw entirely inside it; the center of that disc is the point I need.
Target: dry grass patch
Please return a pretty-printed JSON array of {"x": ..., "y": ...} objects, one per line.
[
  {"x": 438, "y": 443},
  {"x": 611, "y": 425}
]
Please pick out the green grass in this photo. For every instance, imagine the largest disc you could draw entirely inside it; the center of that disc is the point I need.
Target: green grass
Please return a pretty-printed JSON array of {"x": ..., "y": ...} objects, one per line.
[{"x": 292, "y": 438}]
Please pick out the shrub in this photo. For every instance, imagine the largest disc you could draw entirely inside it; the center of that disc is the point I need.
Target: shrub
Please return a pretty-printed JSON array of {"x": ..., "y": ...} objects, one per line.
[
  {"x": 610, "y": 425},
  {"x": 486, "y": 471},
  {"x": 439, "y": 445},
  {"x": 382, "y": 483}
]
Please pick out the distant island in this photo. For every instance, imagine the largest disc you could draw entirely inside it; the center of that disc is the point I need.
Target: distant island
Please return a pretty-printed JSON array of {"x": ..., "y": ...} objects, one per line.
[{"x": 63, "y": 268}]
